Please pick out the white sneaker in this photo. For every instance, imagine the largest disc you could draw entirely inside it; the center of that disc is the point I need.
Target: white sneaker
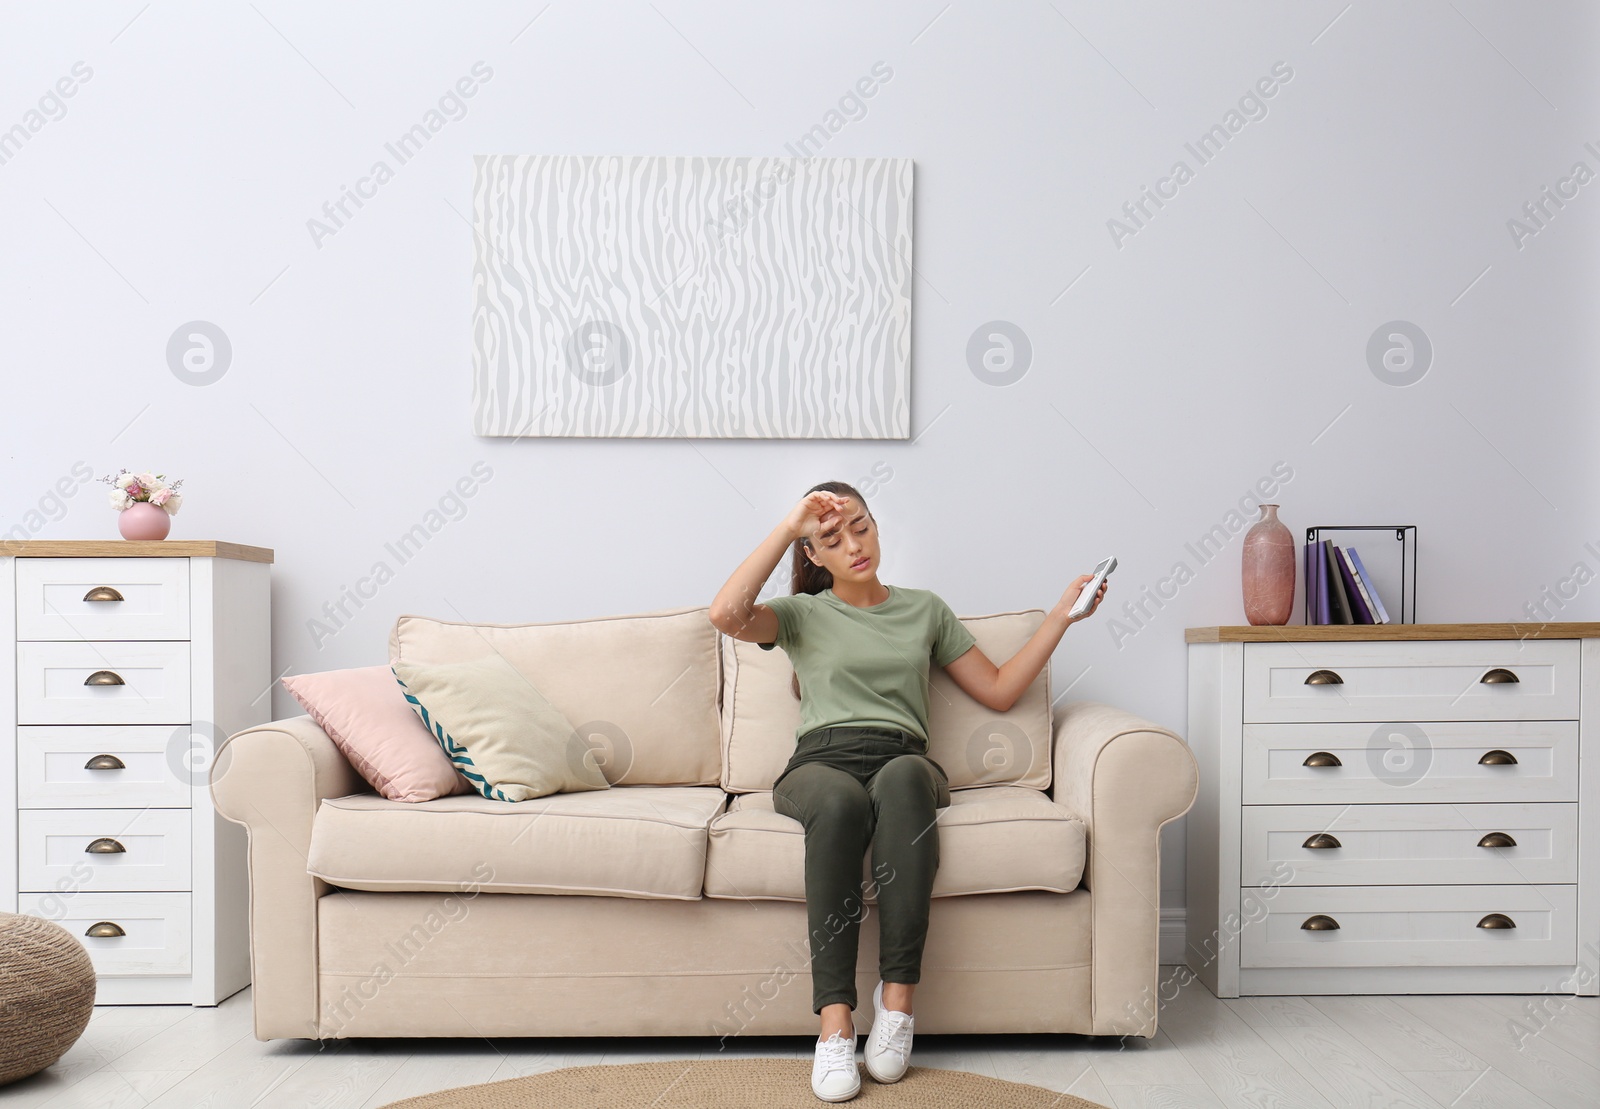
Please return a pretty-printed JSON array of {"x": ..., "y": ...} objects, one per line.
[
  {"x": 834, "y": 1076},
  {"x": 889, "y": 1044}
]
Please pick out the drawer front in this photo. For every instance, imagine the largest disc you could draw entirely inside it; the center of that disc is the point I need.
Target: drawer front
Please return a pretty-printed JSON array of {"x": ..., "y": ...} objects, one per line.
[
  {"x": 154, "y": 685},
  {"x": 1401, "y": 845},
  {"x": 1406, "y": 762},
  {"x": 149, "y": 933},
  {"x": 53, "y": 854},
  {"x": 1434, "y": 680},
  {"x": 106, "y": 766},
  {"x": 102, "y": 598},
  {"x": 1397, "y": 926}
]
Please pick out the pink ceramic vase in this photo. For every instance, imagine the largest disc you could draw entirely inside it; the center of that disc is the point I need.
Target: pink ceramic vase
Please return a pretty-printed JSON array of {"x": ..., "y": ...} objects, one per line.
[
  {"x": 143, "y": 520},
  {"x": 1268, "y": 570}
]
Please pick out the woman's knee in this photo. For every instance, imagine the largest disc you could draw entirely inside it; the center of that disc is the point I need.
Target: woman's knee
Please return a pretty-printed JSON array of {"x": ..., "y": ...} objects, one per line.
[
  {"x": 908, "y": 775},
  {"x": 821, "y": 793},
  {"x": 842, "y": 805}
]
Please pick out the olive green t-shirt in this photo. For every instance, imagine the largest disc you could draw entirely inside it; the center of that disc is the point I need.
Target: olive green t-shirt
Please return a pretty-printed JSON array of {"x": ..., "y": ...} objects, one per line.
[{"x": 867, "y": 666}]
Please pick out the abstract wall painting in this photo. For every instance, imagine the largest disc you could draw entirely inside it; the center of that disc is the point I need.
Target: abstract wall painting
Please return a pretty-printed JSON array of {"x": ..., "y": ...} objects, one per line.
[{"x": 692, "y": 297}]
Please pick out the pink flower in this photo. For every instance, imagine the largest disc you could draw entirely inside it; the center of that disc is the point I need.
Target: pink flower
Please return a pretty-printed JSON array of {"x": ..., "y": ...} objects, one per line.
[
  {"x": 161, "y": 497},
  {"x": 136, "y": 491}
]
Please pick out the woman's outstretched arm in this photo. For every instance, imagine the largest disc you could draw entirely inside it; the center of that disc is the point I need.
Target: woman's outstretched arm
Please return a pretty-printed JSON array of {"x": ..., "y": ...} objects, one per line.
[{"x": 998, "y": 687}]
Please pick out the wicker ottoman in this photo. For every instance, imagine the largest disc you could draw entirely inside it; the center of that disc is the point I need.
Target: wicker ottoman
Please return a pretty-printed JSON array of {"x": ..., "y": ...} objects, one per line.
[{"x": 47, "y": 989}]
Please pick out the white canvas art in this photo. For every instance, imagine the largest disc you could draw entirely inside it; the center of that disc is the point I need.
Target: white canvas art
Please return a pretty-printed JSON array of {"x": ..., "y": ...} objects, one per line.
[{"x": 754, "y": 298}]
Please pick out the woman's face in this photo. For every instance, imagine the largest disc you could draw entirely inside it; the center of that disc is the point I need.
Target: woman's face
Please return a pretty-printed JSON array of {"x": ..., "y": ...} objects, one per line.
[{"x": 845, "y": 543}]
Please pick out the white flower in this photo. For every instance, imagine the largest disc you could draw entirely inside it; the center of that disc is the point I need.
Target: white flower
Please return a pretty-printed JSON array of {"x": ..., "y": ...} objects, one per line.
[
  {"x": 172, "y": 502},
  {"x": 120, "y": 499},
  {"x": 126, "y": 479}
]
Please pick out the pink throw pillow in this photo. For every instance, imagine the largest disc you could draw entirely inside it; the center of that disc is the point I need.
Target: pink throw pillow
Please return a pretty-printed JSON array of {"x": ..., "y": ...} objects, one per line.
[{"x": 365, "y": 713}]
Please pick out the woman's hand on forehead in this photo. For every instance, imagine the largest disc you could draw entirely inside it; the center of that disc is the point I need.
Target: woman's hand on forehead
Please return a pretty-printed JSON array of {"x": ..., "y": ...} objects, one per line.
[{"x": 828, "y": 507}]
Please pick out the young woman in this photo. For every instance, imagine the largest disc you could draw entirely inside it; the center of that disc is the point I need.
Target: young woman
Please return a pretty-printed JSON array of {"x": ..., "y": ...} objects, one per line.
[{"x": 860, "y": 775}]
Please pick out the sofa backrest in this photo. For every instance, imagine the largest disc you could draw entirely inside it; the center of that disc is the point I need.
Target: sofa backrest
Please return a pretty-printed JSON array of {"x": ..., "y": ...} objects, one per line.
[
  {"x": 641, "y": 689},
  {"x": 975, "y": 746}
]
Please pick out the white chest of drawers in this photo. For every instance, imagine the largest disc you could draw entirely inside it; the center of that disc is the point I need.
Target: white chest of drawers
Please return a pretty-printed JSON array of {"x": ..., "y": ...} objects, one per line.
[
  {"x": 1395, "y": 809},
  {"x": 122, "y": 664}
]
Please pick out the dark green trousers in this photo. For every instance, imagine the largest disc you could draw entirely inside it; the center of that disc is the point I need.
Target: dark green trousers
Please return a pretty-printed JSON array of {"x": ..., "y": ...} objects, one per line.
[{"x": 855, "y": 787}]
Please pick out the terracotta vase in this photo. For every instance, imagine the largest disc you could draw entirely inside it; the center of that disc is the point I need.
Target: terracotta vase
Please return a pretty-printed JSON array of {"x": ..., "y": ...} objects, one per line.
[
  {"x": 1268, "y": 570},
  {"x": 143, "y": 520}
]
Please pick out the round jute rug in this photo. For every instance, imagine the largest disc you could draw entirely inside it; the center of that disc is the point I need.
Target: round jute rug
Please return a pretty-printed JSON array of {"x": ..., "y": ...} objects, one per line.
[{"x": 734, "y": 1084}]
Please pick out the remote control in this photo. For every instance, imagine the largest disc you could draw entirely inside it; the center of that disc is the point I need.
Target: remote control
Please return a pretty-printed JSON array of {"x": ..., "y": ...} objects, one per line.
[{"x": 1086, "y": 598}]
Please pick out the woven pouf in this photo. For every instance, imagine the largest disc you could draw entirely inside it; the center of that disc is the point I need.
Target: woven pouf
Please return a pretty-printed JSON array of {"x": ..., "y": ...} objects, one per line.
[{"x": 47, "y": 988}]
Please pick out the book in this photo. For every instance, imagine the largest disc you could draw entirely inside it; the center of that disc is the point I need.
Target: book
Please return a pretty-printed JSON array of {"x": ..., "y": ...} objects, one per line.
[
  {"x": 1309, "y": 576},
  {"x": 1360, "y": 586},
  {"x": 1323, "y": 611},
  {"x": 1380, "y": 613},
  {"x": 1359, "y": 612},
  {"x": 1339, "y": 611}
]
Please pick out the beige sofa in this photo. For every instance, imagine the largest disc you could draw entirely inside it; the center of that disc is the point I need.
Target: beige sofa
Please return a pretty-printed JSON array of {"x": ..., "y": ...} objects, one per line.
[{"x": 673, "y": 902}]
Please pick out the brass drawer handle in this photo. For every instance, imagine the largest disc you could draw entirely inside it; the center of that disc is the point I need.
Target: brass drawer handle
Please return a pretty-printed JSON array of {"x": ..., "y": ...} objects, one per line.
[
  {"x": 104, "y": 677},
  {"x": 1322, "y": 758},
  {"x": 1497, "y": 757},
  {"x": 1323, "y": 677},
  {"x": 1497, "y": 839},
  {"x": 103, "y": 593},
  {"x": 105, "y": 845},
  {"x": 105, "y": 762},
  {"x": 1497, "y": 920},
  {"x": 1320, "y": 923},
  {"x": 105, "y": 928},
  {"x": 1499, "y": 676},
  {"x": 1322, "y": 840}
]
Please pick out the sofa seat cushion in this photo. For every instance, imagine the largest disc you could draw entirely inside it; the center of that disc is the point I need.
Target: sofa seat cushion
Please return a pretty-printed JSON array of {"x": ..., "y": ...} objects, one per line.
[
  {"x": 992, "y": 839},
  {"x": 626, "y": 841}
]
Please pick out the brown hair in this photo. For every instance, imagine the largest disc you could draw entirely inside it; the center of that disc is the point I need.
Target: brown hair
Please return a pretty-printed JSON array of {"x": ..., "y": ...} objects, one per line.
[{"x": 806, "y": 576}]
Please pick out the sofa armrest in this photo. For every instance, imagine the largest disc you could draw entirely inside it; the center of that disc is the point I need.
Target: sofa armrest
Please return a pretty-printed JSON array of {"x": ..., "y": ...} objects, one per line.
[
  {"x": 271, "y": 778},
  {"x": 1125, "y": 778}
]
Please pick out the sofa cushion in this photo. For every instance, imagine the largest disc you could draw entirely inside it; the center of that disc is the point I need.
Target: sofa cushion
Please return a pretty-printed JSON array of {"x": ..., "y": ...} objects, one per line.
[
  {"x": 975, "y": 746},
  {"x": 499, "y": 730},
  {"x": 641, "y": 690},
  {"x": 366, "y": 715},
  {"x": 992, "y": 839},
  {"x": 628, "y": 841}
]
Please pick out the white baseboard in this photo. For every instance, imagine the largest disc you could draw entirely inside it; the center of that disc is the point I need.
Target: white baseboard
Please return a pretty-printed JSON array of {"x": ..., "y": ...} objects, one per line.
[{"x": 1170, "y": 937}]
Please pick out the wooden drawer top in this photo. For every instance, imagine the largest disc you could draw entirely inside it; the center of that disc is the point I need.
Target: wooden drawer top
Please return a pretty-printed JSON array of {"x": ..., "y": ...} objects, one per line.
[
  {"x": 1331, "y": 633},
  {"x": 133, "y": 548}
]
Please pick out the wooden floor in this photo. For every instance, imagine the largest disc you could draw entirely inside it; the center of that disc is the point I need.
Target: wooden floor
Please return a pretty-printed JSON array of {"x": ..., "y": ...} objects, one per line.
[{"x": 1496, "y": 1051}]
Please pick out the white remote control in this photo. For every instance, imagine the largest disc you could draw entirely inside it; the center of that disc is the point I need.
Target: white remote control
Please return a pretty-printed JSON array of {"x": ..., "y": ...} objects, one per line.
[{"x": 1086, "y": 599}]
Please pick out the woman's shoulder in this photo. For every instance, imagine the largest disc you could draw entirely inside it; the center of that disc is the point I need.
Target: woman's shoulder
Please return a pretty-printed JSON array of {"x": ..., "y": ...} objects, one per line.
[
  {"x": 791, "y": 600},
  {"x": 932, "y": 605}
]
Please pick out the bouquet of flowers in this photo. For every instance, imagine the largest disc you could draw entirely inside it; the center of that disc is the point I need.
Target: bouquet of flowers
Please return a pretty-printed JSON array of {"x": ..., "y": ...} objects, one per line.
[{"x": 129, "y": 488}]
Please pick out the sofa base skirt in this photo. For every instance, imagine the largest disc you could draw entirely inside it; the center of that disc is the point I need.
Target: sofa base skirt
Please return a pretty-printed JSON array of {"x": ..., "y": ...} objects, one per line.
[{"x": 446, "y": 964}]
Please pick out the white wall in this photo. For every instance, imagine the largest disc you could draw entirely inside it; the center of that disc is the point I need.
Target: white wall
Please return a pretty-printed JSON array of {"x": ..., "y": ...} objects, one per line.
[{"x": 1226, "y": 336}]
